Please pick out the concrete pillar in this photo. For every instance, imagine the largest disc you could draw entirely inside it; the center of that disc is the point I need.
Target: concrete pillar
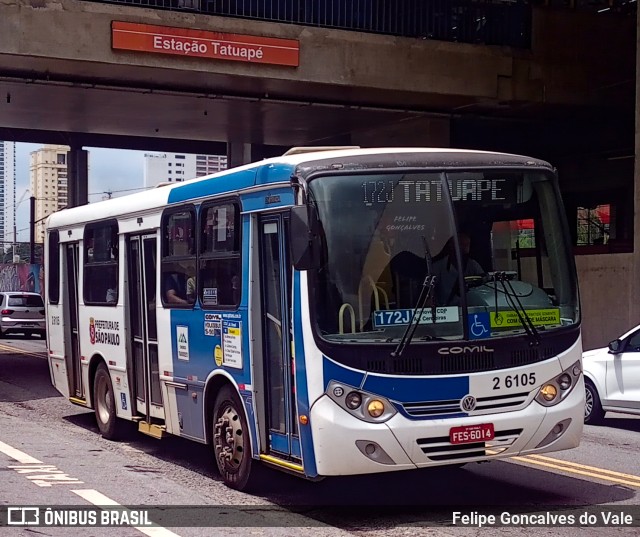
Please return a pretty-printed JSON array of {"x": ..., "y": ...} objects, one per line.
[
  {"x": 77, "y": 177},
  {"x": 634, "y": 294},
  {"x": 239, "y": 153}
]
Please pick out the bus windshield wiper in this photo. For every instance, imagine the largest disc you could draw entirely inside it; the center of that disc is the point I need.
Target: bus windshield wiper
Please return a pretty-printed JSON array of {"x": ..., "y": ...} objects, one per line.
[
  {"x": 511, "y": 297},
  {"x": 425, "y": 293},
  {"x": 428, "y": 258}
]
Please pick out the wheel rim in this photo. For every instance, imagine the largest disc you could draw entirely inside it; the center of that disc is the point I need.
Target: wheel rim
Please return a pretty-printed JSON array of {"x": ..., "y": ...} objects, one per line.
[
  {"x": 588, "y": 403},
  {"x": 103, "y": 399},
  {"x": 229, "y": 440}
]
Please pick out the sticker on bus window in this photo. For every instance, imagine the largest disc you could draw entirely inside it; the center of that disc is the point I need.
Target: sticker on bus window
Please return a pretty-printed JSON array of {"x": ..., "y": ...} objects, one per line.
[
  {"x": 232, "y": 343},
  {"x": 382, "y": 318},
  {"x": 511, "y": 319},
  {"x": 217, "y": 355},
  {"x": 210, "y": 296}
]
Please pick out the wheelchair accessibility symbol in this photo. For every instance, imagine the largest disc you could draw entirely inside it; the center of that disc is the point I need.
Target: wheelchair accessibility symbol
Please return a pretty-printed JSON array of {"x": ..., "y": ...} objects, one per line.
[{"x": 479, "y": 325}]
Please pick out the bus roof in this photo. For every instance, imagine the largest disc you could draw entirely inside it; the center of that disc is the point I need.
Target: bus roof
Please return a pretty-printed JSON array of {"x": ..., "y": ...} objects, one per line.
[{"x": 264, "y": 172}]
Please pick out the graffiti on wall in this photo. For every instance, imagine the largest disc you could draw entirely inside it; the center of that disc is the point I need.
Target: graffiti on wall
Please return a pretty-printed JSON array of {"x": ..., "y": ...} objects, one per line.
[{"x": 21, "y": 277}]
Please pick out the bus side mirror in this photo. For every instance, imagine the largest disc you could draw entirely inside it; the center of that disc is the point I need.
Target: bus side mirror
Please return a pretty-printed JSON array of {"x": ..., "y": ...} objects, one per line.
[{"x": 305, "y": 241}]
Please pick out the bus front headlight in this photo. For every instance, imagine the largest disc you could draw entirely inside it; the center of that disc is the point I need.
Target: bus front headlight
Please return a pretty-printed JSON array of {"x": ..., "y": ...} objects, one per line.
[
  {"x": 555, "y": 390},
  {"x": 363, "y": 405}
]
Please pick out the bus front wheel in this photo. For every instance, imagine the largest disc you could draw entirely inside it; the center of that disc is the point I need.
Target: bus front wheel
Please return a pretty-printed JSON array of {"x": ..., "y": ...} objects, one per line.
[
  {"x": 231, "y": 442},
  {"x": 104, "y": 404}
]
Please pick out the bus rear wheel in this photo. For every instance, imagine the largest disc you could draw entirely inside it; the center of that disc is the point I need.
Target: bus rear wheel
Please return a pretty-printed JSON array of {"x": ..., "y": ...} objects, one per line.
[
  {"x": 231, "y": 442},
  {"x": 105, "y": 405}
]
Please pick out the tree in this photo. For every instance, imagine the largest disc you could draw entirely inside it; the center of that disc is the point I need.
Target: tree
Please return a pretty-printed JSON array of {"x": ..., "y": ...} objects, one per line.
[{"x": 23, "y": 250}]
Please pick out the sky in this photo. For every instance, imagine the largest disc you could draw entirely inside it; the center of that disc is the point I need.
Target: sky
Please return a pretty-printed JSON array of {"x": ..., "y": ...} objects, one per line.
[{"x": 110, "y": 170}]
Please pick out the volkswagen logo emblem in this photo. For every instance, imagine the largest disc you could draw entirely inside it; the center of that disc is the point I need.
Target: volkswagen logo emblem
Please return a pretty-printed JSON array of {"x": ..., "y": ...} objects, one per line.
[{"x": 468, "y": 403}]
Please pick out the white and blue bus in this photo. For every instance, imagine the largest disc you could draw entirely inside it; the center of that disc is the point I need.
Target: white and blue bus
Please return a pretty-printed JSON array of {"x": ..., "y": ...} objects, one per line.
[{"x": 327, "y": 312}]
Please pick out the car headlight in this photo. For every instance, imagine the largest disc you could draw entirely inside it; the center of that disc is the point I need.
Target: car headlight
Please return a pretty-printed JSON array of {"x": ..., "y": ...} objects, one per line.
[
  {"x": 365, "y": 406},
  {"x": 556, "y": 389}
]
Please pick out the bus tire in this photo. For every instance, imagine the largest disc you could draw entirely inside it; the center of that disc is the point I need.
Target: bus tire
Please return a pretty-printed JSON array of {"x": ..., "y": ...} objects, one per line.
[
  {"x": 231, "y": 441},
  {"x": 593, "y": 412},
  {"x": 104, "y": 404}
]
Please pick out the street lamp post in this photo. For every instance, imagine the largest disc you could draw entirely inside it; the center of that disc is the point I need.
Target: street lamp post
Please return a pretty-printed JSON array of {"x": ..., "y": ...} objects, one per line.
[{"x": 32, "y": 230}]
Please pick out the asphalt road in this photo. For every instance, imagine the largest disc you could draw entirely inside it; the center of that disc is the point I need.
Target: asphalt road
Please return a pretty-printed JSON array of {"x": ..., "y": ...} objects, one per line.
[{"x": 36, "y": 422}]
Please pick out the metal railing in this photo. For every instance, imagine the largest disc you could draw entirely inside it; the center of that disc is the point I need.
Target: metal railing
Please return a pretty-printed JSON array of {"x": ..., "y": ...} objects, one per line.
[{"x": 489, "y": 22}]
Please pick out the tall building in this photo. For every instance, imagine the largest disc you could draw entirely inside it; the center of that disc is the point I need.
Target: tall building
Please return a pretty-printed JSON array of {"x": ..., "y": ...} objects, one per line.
[
  {"x": 208, "y": 164},
  {"x": 7, "y": 193},
  {"x": 48, "y": 177},
  {"x": 176, "y": 167}
]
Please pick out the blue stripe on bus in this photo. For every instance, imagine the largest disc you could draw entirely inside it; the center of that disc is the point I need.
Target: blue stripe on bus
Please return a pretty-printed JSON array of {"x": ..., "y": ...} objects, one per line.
[
  {"x": 302, "y": 392},
  {"x": 334, "y": 371},
  {"x": 415, "y": 390},
  {"x": 259, "y": 175},
  {"x": 271, "y": 198},
  {"x": 274, "y": 173},
  {"x": 397, "y": 388},
  {"x": 191, "y": 190}
]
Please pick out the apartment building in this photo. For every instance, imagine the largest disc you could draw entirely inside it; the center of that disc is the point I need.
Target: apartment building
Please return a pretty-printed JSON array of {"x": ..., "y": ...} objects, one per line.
[
  {"x": 176, "y": 167},
  {"x": 48, "y": 179},
  {"x": 7, "y": 193}
]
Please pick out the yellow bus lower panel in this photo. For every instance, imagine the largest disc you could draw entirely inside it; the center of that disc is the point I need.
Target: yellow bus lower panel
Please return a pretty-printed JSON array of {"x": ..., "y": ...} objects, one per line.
[
  {"x": 151, "y": 429},
  {"x": 284, "y": 464}
]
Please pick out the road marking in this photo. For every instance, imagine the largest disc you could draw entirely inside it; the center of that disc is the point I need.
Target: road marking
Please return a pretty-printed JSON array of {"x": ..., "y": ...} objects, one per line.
[
  {"x": 100, "y": 500},
  {"x": 21, "y": 351},
  {"x": 92, "y": 496},
  {"x": 581, "y": 469},
  {"x": 18, "y": 455}
]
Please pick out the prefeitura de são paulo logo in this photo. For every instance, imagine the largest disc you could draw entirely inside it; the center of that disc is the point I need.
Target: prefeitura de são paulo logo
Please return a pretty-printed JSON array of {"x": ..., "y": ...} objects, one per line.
[{"x": 92, "y": 330}]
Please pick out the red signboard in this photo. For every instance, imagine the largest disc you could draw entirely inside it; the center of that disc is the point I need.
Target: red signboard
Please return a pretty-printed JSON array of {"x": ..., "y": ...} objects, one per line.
[{"x": 204, "y": 44}]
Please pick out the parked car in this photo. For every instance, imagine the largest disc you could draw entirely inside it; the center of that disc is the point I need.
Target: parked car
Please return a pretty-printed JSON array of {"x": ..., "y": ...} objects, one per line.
[
  {"x": 22, "y": 312},
  {"x": 612, "y": 378}
]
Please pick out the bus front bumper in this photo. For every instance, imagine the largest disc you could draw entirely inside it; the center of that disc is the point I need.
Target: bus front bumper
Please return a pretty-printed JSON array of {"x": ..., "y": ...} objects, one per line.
[{"x": 345, "y": 445}]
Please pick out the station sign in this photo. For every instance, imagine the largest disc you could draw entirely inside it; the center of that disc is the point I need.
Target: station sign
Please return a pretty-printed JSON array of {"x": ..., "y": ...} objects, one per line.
[{"x": 187, "y": 42}]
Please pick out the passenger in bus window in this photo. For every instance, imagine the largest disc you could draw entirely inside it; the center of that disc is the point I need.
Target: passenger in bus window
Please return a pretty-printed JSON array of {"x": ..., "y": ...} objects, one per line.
[{"x": 175, "y": 288}]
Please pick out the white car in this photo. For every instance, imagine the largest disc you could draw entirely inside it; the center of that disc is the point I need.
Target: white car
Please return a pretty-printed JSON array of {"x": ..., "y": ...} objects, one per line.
[{"x": 612, "y": 378}]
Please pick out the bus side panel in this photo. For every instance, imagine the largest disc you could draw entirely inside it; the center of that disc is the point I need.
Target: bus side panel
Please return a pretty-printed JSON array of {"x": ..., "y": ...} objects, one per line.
[
  {"x": 308, "y": 364},
  {"x": 103, "y": 337},
  {"x": 201, "y": 341},
  {"x": 55, "y": 344}
]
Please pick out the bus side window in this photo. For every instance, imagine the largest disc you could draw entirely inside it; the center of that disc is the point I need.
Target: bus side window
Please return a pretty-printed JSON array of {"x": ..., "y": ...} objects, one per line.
[
  {"x": 220, "y": 262},
  {"x": 178, "y": 280},
  {"x": 101, "y": 263}
]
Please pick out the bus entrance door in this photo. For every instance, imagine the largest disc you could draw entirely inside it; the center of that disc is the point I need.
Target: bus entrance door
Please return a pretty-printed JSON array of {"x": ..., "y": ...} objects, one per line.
[
  {"x": 282, "y": 423},
  {"x": 141, "y": 253},
  {"x": 73, "y": 352}
]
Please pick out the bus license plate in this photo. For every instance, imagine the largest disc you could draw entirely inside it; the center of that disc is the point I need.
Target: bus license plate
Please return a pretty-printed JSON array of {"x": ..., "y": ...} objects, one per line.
[{"x": 471, "y": 433}]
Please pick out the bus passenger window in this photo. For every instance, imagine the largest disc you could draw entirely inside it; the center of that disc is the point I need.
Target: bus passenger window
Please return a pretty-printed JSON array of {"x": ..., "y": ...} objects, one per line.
[
  {"x": 220, "y": 263},
  {"x": 178, "y": 284},
  {"x": 101, "y": 264}
]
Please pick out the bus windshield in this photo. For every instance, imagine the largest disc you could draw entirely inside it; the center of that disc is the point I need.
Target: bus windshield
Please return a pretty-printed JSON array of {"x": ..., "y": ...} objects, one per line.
[{"x": 488, "y": 250}]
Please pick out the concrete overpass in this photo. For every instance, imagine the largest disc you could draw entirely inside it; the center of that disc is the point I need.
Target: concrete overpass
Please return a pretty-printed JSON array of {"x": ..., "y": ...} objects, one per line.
[{"x": 569, "y": 98}]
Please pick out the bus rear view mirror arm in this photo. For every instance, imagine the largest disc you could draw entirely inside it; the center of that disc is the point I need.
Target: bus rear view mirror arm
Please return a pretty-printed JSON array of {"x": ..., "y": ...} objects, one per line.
[{"x": 306, "y": 241}]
